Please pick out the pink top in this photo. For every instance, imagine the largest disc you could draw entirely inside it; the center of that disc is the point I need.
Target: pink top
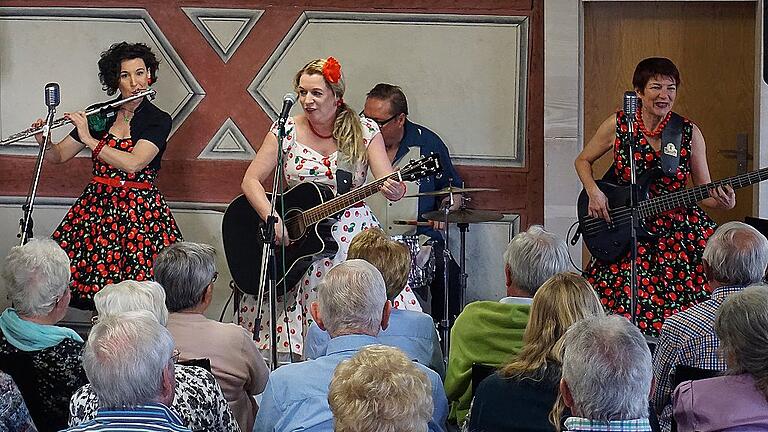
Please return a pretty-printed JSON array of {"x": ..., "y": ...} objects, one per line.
[{"x": 728, "y": 403}]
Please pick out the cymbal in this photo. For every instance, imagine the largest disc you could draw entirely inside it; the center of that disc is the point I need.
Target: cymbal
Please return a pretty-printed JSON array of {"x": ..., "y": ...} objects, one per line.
[
  {"x": 449, "y": 190},
  {"x": 464, "y": 215}
]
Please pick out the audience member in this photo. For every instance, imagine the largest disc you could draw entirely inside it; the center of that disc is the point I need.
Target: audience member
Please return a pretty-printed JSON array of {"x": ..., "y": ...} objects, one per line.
[
  {"x": 14, "y": 415},
  {"x": 738, "y": 400},
  {"x": 490, "y": 333},
  {"x": 187, "y": 271},
  {"x": 129, "y": 359},
  {"x": 198, "y": 400},
  {"x": 379, "y": 389},
  {"x": 735, "y": 256},
  {"x": 522, "y": 393},
  {"x": 43, "y": 359},
  {"x": 353, "y": 307},
  {"x": 606, "y": 376},
  {"x": 411, "y": 331}
]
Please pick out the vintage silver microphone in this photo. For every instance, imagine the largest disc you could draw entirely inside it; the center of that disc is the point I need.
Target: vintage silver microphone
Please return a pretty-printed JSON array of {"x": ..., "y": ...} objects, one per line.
[{"x": 630, "y": 109}]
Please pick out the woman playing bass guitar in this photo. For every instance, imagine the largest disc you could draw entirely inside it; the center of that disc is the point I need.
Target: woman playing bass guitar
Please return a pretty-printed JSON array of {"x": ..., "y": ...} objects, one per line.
[{"x": 669, "y": 268}]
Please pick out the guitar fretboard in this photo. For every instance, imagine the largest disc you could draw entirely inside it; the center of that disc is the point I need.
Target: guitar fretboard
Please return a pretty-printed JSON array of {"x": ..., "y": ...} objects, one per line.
[
  {"x": 684, "y": 198},
  {"x": 341, "y": 202}
]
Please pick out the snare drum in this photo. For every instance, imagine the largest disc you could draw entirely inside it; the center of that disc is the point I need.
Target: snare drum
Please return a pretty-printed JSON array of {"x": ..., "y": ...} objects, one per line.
[{"x": 422, "y": 260}]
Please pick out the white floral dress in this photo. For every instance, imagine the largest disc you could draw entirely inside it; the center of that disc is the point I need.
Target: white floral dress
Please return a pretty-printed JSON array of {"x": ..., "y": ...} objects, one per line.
[{"x": 304, "y": 164}]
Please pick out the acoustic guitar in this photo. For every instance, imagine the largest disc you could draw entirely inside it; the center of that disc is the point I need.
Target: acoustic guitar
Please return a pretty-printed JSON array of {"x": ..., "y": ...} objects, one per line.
[{"x": 308, "y": 210}]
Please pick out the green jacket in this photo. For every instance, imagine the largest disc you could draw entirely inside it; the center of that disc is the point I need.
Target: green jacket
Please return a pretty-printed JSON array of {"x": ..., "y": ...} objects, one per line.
[{"x": 485, "y": 332}]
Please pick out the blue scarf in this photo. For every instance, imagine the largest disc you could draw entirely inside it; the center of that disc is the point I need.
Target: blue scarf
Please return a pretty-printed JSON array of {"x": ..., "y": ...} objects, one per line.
[{"x": 29, "y": 336}]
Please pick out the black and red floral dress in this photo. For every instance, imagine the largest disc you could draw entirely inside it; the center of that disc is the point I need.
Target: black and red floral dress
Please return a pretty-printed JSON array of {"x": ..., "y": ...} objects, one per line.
[
  {"x": 670, "y": 272},
  {"x": 121, "y": 221}
]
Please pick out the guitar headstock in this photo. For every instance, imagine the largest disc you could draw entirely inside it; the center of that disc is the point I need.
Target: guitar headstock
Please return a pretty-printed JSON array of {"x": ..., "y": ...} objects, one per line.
[{"x": 426, "y": 166}]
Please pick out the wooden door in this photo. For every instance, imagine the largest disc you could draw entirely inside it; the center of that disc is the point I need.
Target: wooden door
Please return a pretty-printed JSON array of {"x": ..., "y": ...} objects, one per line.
[{"x": 713, "y": 46}]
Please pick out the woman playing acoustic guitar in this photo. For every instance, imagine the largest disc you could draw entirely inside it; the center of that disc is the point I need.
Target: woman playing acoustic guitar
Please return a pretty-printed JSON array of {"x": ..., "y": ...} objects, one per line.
[
  {"x": 327, "y": 136},
  {"x": 670, "y": 273}
]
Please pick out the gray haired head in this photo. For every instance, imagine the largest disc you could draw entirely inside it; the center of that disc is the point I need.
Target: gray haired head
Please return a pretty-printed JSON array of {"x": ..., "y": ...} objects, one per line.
[
  {"x": 737, "y": 254},
  {"x": 351, "y": 297},
  {"x": 534, "y": 256},
  {"x": 185, "y": 270},
  {"x": 131, "y": 295},
  {"x": 607, "y": 367},
  {"x": 742, "y": 327},
  {"x": 125, "y": 357},
  {"x": 37, "y": 275}
]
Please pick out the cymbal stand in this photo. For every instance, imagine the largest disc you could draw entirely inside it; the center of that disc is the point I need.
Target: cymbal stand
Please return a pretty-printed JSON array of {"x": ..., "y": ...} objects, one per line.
[
  {"x": 463, "y": 228},
  {"x": 445, "y": 323}
]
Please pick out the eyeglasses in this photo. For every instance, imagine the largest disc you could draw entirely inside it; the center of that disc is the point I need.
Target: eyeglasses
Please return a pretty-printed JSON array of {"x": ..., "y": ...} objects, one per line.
[
  {"x": 215, "y": 276},
  {"x": 381, "y": 123},
  {"x": 175, "y": 356}
]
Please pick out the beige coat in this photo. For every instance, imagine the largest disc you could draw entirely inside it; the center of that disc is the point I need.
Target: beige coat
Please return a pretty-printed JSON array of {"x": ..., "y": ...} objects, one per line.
[{"x": 236, "y": 362}]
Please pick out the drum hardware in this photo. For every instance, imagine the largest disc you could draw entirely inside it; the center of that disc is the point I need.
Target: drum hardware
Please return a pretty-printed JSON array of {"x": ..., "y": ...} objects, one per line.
[
  {"x": 465, "y": 215},
  {"x": 65, "y": 121},
  {"x": 413, "y": 223},
  {"x": 462, "y": 217},
  {"x": 450, "y": 190},
  {"x": 422, "y": 260}
]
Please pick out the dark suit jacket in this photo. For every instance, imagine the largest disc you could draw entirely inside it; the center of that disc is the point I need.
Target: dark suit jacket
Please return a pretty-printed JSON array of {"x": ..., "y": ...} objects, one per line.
[{"x": 515, "y": 404}]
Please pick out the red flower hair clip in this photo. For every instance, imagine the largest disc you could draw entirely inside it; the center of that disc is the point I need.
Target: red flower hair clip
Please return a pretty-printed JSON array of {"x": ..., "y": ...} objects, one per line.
[{"x": 332, "y": 70}]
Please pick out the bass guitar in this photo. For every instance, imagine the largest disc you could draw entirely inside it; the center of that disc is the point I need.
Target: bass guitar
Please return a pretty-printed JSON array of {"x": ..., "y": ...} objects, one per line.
[
  {"x": 308, "y": 210},
  {"x": 609, "y": 241}
]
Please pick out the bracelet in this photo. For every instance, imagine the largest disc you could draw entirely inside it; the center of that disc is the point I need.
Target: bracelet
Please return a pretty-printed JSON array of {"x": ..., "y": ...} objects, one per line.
[{"x": 98, "y": 148}]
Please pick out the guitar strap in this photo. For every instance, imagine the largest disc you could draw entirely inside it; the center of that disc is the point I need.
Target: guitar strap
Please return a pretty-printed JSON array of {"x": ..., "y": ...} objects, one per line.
[{"x": 671, "y": 141}]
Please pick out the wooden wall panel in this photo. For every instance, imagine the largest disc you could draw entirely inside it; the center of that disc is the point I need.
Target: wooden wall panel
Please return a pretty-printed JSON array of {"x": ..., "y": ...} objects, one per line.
[{"x": 186, "y": 178}]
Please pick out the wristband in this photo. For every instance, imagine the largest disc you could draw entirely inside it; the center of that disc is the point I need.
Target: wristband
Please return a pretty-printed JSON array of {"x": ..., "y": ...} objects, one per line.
[{"x": 98, "y": 148}]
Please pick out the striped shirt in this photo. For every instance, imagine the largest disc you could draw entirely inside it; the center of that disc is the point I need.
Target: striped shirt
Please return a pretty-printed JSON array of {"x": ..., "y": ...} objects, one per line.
[
  {"x": 582, "y": 424},
  {"x": 146, "y": 418},
  {"x": 687, "y": 338}
]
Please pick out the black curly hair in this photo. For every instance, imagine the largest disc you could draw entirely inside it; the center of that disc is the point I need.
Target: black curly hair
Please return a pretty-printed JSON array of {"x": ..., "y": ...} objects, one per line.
[{"x": 111, "y": 59}]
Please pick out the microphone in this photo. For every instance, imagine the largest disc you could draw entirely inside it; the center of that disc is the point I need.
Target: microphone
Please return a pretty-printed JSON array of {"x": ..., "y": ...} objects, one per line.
[
  {"x": 630, "y": 108},
  {"x": 52, "y": 95},
  {"x": 288, "y": 100},
  {"x": 52, "y": 100}
]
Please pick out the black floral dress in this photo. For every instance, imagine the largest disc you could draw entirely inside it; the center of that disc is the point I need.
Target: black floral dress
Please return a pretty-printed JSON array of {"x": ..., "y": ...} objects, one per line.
[
  {"x": 670, "y": 272},
  {"x": 114, "y": 231},
  {"x": 47, "y": 379}
]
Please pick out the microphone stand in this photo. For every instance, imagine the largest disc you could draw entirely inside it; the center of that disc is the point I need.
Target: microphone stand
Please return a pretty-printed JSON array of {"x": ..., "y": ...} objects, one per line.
[
  {"x": 634, "y": 217},
  {"x": 26, "y": 223},
  {"x": 268, "y": 276}
]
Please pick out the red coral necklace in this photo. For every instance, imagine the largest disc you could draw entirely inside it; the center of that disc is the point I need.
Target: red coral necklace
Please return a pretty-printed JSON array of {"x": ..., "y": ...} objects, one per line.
[
  {"x": 312, "y": 128},
  {"x": 656, "y": 132}
]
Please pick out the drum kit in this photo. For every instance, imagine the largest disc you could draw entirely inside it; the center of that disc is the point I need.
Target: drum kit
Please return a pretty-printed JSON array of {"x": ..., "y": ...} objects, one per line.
[{"x": 423, "y": 264}]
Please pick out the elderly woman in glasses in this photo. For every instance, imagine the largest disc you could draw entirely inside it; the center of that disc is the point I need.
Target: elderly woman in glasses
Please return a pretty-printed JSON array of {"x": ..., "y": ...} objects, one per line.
[
  {"x": 198, "y": 399},
  {"x": 187, "y": 271},
  {"x": 43, "y": 358}
]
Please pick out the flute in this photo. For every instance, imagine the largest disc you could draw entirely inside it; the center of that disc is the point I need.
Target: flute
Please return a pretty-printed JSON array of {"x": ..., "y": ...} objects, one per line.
[{"x": 150, "y": 93}]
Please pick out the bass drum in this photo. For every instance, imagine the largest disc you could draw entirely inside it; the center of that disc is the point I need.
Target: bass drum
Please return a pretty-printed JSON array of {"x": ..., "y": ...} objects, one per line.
[{"x": 422, "y": 260}]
